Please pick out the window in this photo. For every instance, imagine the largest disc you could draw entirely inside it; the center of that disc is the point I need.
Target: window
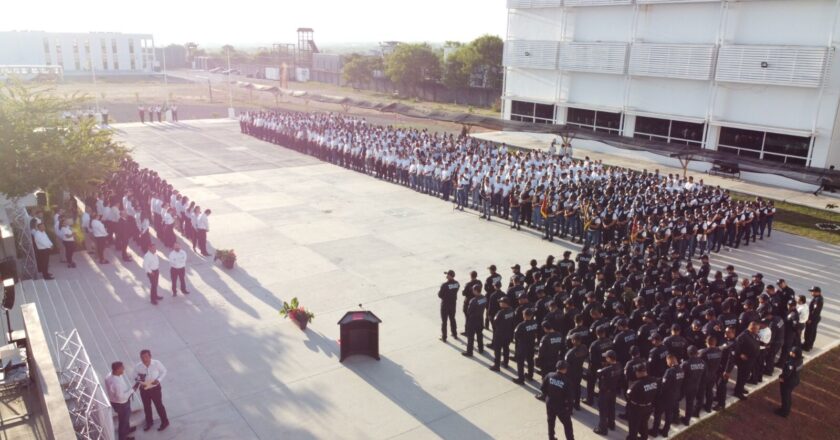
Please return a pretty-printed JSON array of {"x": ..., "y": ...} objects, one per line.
[
  {"x": 114, "y": 51},
  {"x": 131, "y": 54},
  {"x": 104, "y": 54},
  {"x": 768, "y": 146},
  {"x": 672, "y": 132},
  {"x": 531, "y": 112},
  {"x": 59, "y": 57},
  {"x": 76, "y": 61},
  {"x": 601, "y": 121},
  {"x": 89, "y": 64}
]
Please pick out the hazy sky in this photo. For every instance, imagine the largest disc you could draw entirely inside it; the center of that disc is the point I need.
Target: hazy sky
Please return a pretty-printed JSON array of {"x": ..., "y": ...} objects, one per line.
[{"x": 261, "y": 22}]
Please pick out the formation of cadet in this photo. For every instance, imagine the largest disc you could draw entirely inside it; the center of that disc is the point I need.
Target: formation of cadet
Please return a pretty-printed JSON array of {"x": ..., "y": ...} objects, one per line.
[
  {"x": 663, "y": 336},
  {"x": 581, "y": 200}
]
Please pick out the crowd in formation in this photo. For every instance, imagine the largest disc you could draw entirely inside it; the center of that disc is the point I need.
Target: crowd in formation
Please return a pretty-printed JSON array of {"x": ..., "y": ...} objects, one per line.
[
  {"x": 129, "y": 206},
  {"x": 631, "y": 315},
  {"x": 648, "y": 328},
  {"x": 579, "y": 200}
]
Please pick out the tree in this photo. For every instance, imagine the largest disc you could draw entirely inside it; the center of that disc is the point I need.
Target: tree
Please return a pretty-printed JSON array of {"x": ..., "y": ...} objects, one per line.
[
  {"x": 487, "y": 51},
  {"x": 457, "y": 67},
  {"x": 42, "y": 150},
  {"x": 409, "y": 65},
  {"x": 358, "y": 70}
]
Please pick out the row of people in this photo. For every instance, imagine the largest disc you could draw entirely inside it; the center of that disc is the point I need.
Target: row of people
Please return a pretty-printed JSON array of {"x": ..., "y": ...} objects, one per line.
[{"x": 582, "y": 200}]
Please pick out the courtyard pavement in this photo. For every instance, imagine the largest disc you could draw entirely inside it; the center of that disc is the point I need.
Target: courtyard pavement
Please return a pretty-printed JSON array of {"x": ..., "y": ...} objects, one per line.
[{"x": 335, "y": 239}]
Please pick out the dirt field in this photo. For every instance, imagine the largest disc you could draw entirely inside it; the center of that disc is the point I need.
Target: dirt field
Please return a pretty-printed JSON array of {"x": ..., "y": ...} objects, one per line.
[{"x": 816, "y": 407}]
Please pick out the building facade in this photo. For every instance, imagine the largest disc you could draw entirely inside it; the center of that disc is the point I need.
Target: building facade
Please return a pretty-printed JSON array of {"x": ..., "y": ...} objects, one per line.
[
  {"x": 104, "y": 53},
  {"x": 752, "y": 78}
]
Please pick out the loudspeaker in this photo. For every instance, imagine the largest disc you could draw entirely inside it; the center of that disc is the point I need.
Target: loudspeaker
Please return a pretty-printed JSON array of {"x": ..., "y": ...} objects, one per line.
[
  {"x": 8, "y": 269},
  {"x": 9, "y": 297}
]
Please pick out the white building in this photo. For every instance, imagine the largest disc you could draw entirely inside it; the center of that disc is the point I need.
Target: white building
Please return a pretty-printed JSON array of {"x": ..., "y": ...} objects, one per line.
[
  {"x": 753, "y": 78},
  {"x": 106, "y": 53}
]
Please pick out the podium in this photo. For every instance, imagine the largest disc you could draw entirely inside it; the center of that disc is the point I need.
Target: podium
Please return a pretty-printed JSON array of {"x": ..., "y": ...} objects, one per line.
[{"x": 359, "y": 334}]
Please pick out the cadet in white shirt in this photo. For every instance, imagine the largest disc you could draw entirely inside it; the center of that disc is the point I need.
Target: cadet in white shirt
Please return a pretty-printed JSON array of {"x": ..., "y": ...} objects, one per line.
[
  {"x": 100, "y": 235},
  {"x": 151, "y": 265},
  {"x": 150, "y": 373},
  {"x": 202, "y": 227},
  {"x": 177, "y": 268},
  {"x": 119, "y": 394},
  {"x": 68, "y": 240},
  {"x": 43, "y": 246}
]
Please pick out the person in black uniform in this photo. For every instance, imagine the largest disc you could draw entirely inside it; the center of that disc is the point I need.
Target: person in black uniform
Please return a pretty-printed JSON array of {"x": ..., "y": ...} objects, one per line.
[
  {"x": 640, "y": 399},
  {"x": 556, "y": 390},
  {"x": 475, "y": 321},
  {"x": 525, "y": 337},
  {"x": 746, "y": 354},
  {"x": 467, "y": 293},
  {"x": 789, "y": 379},
  {"x": 727, "y": 362},
  {"x": 596, "y": 359},
  {"x": 502, "y": 333},
  {"x": 695, "y": 369},
  {"x": 493, "y": 304},
  {"x": 549, "y": 352},
  {"x": 608, "y": 379},
  {"x": 448, "y": 295},
  {"x": 676, "y": 343},
  {"x": 712, "y": 356},
  {"x": 814, "y": 312},
  {"x": 791, "y": 323},
  {"x": 668, "y": 400},
  {"x": 657, "y": 362},
  {"x": 575, "y": 357}
]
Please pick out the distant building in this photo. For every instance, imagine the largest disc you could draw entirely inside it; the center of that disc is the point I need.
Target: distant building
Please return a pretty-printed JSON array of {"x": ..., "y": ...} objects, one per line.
[
  {"x": 106, "y": 53},
  {"x": 326, "y": 68},
  {"x": 754, "y": 79}
]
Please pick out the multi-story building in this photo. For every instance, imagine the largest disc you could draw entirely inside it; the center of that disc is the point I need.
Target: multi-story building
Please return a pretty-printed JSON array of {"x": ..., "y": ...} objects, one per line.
[
  {"x": 105, "y": 53},
  {"x": 755, "y": 78}
]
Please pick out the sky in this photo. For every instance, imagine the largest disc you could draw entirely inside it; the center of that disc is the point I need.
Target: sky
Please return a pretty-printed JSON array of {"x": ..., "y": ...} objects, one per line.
[{"x": 262, "y": 22}]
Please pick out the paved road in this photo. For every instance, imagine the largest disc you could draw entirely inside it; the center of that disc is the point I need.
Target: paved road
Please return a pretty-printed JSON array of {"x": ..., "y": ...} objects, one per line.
[{"x": 334, "y": 238}]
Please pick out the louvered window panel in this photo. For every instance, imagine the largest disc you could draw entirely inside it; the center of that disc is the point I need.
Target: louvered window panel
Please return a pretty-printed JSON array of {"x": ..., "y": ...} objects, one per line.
[
  {"x": 574, "y": 3},
  {"x": 531, "y": 54},
  {"x": 798, "y": 66},
  {"x": 672, "y": 60},
  {"x": 643, "y": 2},
  {"x": 593, "y": 57},
  {"x": 526, "y": 4}
]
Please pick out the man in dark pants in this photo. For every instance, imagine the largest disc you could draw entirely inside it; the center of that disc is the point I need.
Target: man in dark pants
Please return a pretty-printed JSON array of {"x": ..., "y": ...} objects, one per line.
[
  {"x": 608, "y": 378},
  {"x": 467, "y": 293},
  {"x": 814, "y": 312},
  {"x": 119, "y": 394},
  {"x": 551, "y": 345},
  {"x": 475, "y": 321},
  {"x": 525, "y": 337},
  {"x": 640, "y": 398},
  {"x": 502, "y": 333},
  {"x": 695, "y": 369},
  {"x": 668, "y": 400},
  {"x": 712, "y": 356},
  {"x": 596, "y": 359},
  {"x": 556, "y": 391},
  {"x": 746, "y": 354},
  {"x": 789, "y": 379},
  {"x": 150, "y": 373},
  {"x": 448, "y": 294},
  {"x": 575, "y": 357},
  {"x": 151, "y": 265}
]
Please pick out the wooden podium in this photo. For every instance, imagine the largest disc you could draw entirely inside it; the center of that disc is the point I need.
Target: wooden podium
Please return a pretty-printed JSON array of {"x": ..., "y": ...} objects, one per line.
[{"x": 359, "y": 334}]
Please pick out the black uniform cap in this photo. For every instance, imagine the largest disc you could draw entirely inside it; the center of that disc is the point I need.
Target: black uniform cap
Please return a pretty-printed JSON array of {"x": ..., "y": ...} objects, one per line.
[
  {"x": 450, "y": 273},
  {"x": 610, "y": 354},
  {"x": 815, "y": 289},
  {"x": 561, "y": 365}
]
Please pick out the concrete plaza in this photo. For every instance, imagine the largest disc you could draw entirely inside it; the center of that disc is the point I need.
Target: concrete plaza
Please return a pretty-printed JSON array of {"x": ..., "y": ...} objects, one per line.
[{"x": 333, "y": 238}]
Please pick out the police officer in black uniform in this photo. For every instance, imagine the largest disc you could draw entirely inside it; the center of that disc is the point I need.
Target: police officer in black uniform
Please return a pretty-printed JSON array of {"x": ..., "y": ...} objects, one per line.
[
  {"x": 640, "y": 399},
  {"x": 712, "y": 356},
  {"x": 695, "y": 370},
  {"x": 556, "y": 390},
  {"x": 551, "y": 345},
  {"x": 502, "y": 333},
  {"x": 596, "y": 359},
  {"x": 448, "y": 295},
  {"x": 789, "y": 379},
  {"x": 608, "y": 378},
  {"x": 814, "y": 316},
  {"x": 657, "y": 362},
  {"x": 575, "y": 357},
  {"x": 746, "y": 355},
  {"x": 525, "y": 338},
  {"x": 668, "y": 400},
  {"x": 475, "y": 321},
  {"x": 467, "y": 293}
]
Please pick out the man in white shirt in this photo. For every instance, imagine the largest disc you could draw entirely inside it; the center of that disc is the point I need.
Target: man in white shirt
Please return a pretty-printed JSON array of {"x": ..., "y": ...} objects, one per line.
[
  {"x": 150, "y": 373},
  {"x": 68, "y": 240},
  {"x": 43, "y": 247},
  {"x": 202, "y": 227},
  {"x": 100, "y": 236},
  {"x": 177, "y": 268},
  {"x": 151, "y": 265},
  {"x": 119, "y": 393}
]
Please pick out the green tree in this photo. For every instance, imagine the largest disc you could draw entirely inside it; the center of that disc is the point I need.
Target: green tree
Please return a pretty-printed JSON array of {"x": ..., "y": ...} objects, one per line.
[
  {"x": 40, "y": 149},
  {"x": 358, "y": 69},
  {"x": 487, "y": 51},
  {"x": 412, "y": 64},
  {"x": 458, "y": 66}
]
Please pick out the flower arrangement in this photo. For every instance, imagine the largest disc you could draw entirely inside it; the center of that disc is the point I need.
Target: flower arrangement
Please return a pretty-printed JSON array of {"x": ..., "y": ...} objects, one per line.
[
  {"x": 227, "y": 256},
  {"x": 298, "y": 314}
]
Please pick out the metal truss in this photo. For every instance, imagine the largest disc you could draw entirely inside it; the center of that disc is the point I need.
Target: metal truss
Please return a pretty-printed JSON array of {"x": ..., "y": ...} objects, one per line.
[{"x": 89, "y": 407}]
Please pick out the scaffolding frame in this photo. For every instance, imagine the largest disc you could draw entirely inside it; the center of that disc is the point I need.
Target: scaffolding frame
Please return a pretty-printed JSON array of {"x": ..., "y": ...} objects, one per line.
[
  {"x": 23, "y": 238},
  {"x": 90, "y": 409}
]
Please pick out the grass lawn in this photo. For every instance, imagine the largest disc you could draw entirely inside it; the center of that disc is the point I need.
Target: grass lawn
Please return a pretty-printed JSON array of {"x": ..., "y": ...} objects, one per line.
[
  {"x": 801, "y": 220},
  {"x": 814, "y": 416}
]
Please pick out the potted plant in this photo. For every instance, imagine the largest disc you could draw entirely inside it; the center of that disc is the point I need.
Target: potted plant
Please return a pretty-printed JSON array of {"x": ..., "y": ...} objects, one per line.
[
  {"x": 297, "y": 313},
  {"x": 227, "y": 256}
]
